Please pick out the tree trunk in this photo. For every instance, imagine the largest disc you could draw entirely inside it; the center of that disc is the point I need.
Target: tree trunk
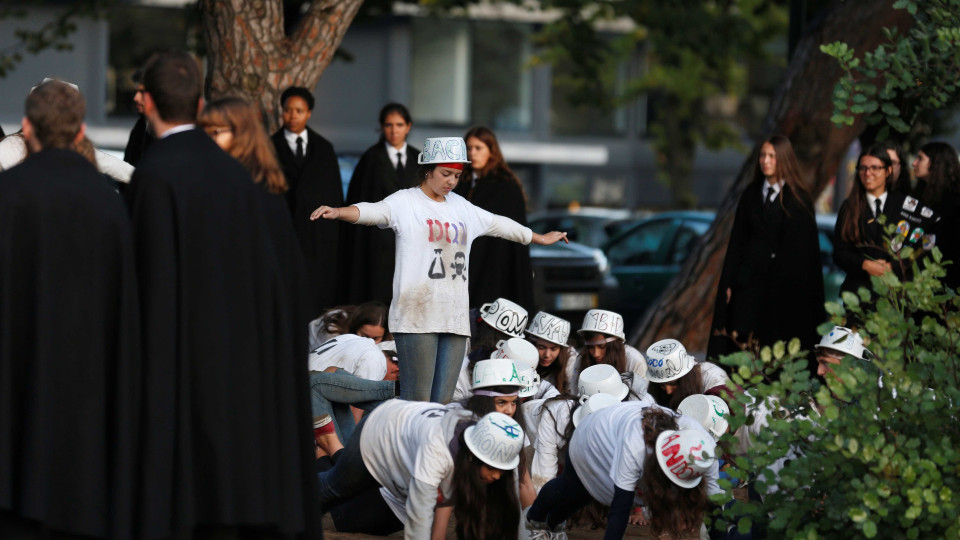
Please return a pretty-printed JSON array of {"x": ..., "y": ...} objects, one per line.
[
  {"x": 249, "y": 54},
  {"x": 676, "y": 151},
  {"x": 801, "y": 110}
]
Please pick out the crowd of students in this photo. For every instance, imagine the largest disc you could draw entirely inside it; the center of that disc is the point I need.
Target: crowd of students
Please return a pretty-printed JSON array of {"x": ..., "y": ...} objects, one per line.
[{"x": 162, "y": 326}]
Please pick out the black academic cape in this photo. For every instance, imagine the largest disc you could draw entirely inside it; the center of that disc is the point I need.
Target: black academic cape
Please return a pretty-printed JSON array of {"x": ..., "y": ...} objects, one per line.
[
  {"x": 369, "y": 253},
  {"x": 140, "y": 139},
  {"x": 226, "y": 390},
  {"x": 70, "y": 358},
  {"x": 774, "y": 270},
  {"x": 313, "y": 183},
  {"x": 874, "y": 243},
  {"x": 500, "y": 268}
]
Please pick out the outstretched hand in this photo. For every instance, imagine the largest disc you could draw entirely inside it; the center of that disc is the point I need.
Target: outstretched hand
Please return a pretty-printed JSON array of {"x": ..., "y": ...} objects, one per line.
[
  {"x": 325, "y": 212},
  {"x": 551, "y": 237}
]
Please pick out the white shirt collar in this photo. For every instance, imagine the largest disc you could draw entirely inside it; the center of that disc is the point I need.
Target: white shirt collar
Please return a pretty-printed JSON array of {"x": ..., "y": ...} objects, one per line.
[
  {"x": 872, "y": 205},
  {"x": 291, "y": 138},
  {"x": 767, "y": 185},
  {"x": 392, "y": 153},
  {"x": 177, "y": 129}
]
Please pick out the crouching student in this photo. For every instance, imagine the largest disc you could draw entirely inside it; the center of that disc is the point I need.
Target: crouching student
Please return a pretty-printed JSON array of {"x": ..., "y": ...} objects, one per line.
[
  {"x": 605, "y": 343},
  {"x": 556, "y": 418},
  {"x": 623, "y": 451},
  {"x": 348, "y": 375},
  {"x": 428, "y": 458},
  {"x": 550, "y": 335},
  {"x": 674, "y": 375},
  {"x": 498, "y": 321}
]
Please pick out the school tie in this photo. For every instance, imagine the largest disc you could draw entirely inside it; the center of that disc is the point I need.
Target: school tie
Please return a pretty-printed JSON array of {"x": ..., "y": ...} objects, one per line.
[
  {"x": 877, "y": 208},
  {"x": 299, "y": 149},
  {"x": 399, "y": 165}
]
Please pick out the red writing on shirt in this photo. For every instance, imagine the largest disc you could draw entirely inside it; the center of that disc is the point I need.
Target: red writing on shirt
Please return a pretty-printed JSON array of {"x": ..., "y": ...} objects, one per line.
[{"x": 453, "y": 233}]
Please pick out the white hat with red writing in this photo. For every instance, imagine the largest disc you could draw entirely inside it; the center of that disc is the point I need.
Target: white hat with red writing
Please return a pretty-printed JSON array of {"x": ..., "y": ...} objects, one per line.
[{"x": 685, "y": 455}]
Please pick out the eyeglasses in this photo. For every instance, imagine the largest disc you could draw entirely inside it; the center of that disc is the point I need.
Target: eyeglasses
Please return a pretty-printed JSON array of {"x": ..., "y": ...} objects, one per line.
[
  {"x": 213, "y": 132},
  {"x": 871, "y": 168}
]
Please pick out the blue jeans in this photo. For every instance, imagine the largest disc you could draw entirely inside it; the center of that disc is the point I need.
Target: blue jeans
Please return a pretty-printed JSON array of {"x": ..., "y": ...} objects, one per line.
[
  {"x": 429, "y": 365},
  {"x": 333, "y": 393},
  {"x": 560, "y": 498}
]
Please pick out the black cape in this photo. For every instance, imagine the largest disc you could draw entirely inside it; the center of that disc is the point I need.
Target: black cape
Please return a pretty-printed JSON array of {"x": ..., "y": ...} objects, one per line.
[
  {"x": 369, "y": 253},
  {"x": 140, "y": 139},
  {"x": 69, "y": 361},
  {"x": 874, "y": 244},
  {"x": 314, "y": 183},
  {"x": 501, "y": 268},
  {"x": 226, "y": 390},
  {"x": 774, "y": 269}
]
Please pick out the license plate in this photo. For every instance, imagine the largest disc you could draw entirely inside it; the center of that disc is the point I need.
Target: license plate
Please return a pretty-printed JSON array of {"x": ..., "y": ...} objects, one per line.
[{"x": 576, "y": 301}]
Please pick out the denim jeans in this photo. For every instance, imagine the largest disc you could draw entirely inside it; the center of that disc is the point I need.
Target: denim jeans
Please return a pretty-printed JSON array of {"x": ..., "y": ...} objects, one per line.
[
  {"x": 429, "y": 365},
  {"x": 349, "y": 476},
  {"x": 560, "y": 498},
  {"x": 333, "y": 393}
]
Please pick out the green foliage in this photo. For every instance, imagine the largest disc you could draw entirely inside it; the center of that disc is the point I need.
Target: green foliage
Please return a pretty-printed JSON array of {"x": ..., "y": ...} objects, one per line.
[
  {"x": 54, "y": 35},
  {"x": 864, "y": 459},
  {"x": 908, "y": 74}
]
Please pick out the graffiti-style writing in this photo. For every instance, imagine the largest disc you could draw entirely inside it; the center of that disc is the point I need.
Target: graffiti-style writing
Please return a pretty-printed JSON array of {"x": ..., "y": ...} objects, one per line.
[{"x": 441, "y": 231}]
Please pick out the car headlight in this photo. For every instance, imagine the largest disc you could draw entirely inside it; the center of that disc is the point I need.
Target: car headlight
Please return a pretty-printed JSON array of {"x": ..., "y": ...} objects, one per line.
[{"x": 601, "y": 261}]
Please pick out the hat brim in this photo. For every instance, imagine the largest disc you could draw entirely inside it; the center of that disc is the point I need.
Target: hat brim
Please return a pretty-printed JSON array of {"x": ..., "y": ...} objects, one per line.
[
  {"x": 473, "y": 449},
  {"x": 528, "y": 333},
  {"x": 618, "y": 336}
]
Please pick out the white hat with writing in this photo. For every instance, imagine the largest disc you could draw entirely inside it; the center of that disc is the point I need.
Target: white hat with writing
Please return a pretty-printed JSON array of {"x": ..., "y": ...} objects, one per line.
[
  {"x": 685, "y": 455},
  {"x": 549, "y": 328},
  {"x": 505, "y": 316},
  {"x": 496, "y": 440}
]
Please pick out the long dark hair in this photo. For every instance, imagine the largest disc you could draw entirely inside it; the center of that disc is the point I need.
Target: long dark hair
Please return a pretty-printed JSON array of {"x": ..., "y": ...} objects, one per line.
[
  {"x": 496, "y": 165},
  {"x": 482, "y": 510},
  {"x": 788, "y": 170},
  {"x": 851, "y": 229},
  {"x": 558, "y": 369},
  {"x": 674, "y": 510},
  {"x": 615, "y": 355},
  {"x": 944, "y": 172},
  {"x": 688, "y": 385},
  {"x": 372, "y": 313}
]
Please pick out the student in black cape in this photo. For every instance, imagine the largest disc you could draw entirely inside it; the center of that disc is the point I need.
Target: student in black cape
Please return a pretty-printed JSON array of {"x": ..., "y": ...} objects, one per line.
[
  {"x": 369, "y": 252},
  {"x": 228, "y": 448},
  {"x": 771, "y": 287},
  {"x": 313, "y": 178},
  {"x": 140, "y": 136},
  {"x": 861, "y": 248},
  {"x": 937, "y": 170},
  {"x": 70, "y": 361},
  {"x": 489, "y": 184}
]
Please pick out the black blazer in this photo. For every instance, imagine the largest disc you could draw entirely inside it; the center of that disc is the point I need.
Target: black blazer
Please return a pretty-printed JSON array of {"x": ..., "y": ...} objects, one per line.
[
  {"x": 369, "y": 253},
  {"x": 311, "y": 184},
  {"x": 850, "y": 256}
]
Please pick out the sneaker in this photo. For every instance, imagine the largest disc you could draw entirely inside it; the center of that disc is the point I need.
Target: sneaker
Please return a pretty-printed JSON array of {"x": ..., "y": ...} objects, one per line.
[{"x": 540, "y": 531}]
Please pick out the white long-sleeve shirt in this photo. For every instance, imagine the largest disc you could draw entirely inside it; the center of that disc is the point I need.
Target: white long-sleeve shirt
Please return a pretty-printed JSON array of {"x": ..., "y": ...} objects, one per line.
[{"x": 430, "y": 293}]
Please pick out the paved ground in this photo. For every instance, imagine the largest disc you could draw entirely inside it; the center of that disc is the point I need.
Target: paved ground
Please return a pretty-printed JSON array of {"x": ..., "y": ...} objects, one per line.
[{"x": 633, "y": 531}]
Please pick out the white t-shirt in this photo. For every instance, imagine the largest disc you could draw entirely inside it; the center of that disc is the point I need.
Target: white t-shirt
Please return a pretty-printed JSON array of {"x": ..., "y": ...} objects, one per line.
[
  {"x": 463, "y": 391},
  {"x": 405, "y": 443},
  {"x": 552, "y": 419},
  {"x": 430, "y": 278},
  {"x": 358, "y": 355},
  {"x": 635, "y": 363},
  {"x": 608, "y": 451},
  {"x": 712, "y": 375}
]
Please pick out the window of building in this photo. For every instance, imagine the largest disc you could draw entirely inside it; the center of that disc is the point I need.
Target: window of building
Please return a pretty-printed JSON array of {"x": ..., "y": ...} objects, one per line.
[{"x": 473, "y": 72}]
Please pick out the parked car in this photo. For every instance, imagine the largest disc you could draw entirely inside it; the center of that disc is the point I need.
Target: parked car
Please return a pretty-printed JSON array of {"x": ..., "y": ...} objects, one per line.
[
  {"x": 646, "y": 257},
  {"x": 569, "y": 279},
  {"x": 589, "y": 226}
]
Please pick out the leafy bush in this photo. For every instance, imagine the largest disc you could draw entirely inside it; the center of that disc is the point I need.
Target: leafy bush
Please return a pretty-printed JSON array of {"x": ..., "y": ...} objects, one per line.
[{"x": 864, "y": 459}]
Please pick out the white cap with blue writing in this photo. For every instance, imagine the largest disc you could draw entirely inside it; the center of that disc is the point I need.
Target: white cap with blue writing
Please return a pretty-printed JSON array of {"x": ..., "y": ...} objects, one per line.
[
  {"x": 496, "y": 440},
  {"x": 440, "y": 150}
]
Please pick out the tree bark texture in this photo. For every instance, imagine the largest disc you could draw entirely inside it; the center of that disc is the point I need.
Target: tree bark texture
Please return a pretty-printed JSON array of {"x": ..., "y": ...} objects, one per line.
[
  {"x": 249, "y": 54},
  {"x": 801, "y": 110}
]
